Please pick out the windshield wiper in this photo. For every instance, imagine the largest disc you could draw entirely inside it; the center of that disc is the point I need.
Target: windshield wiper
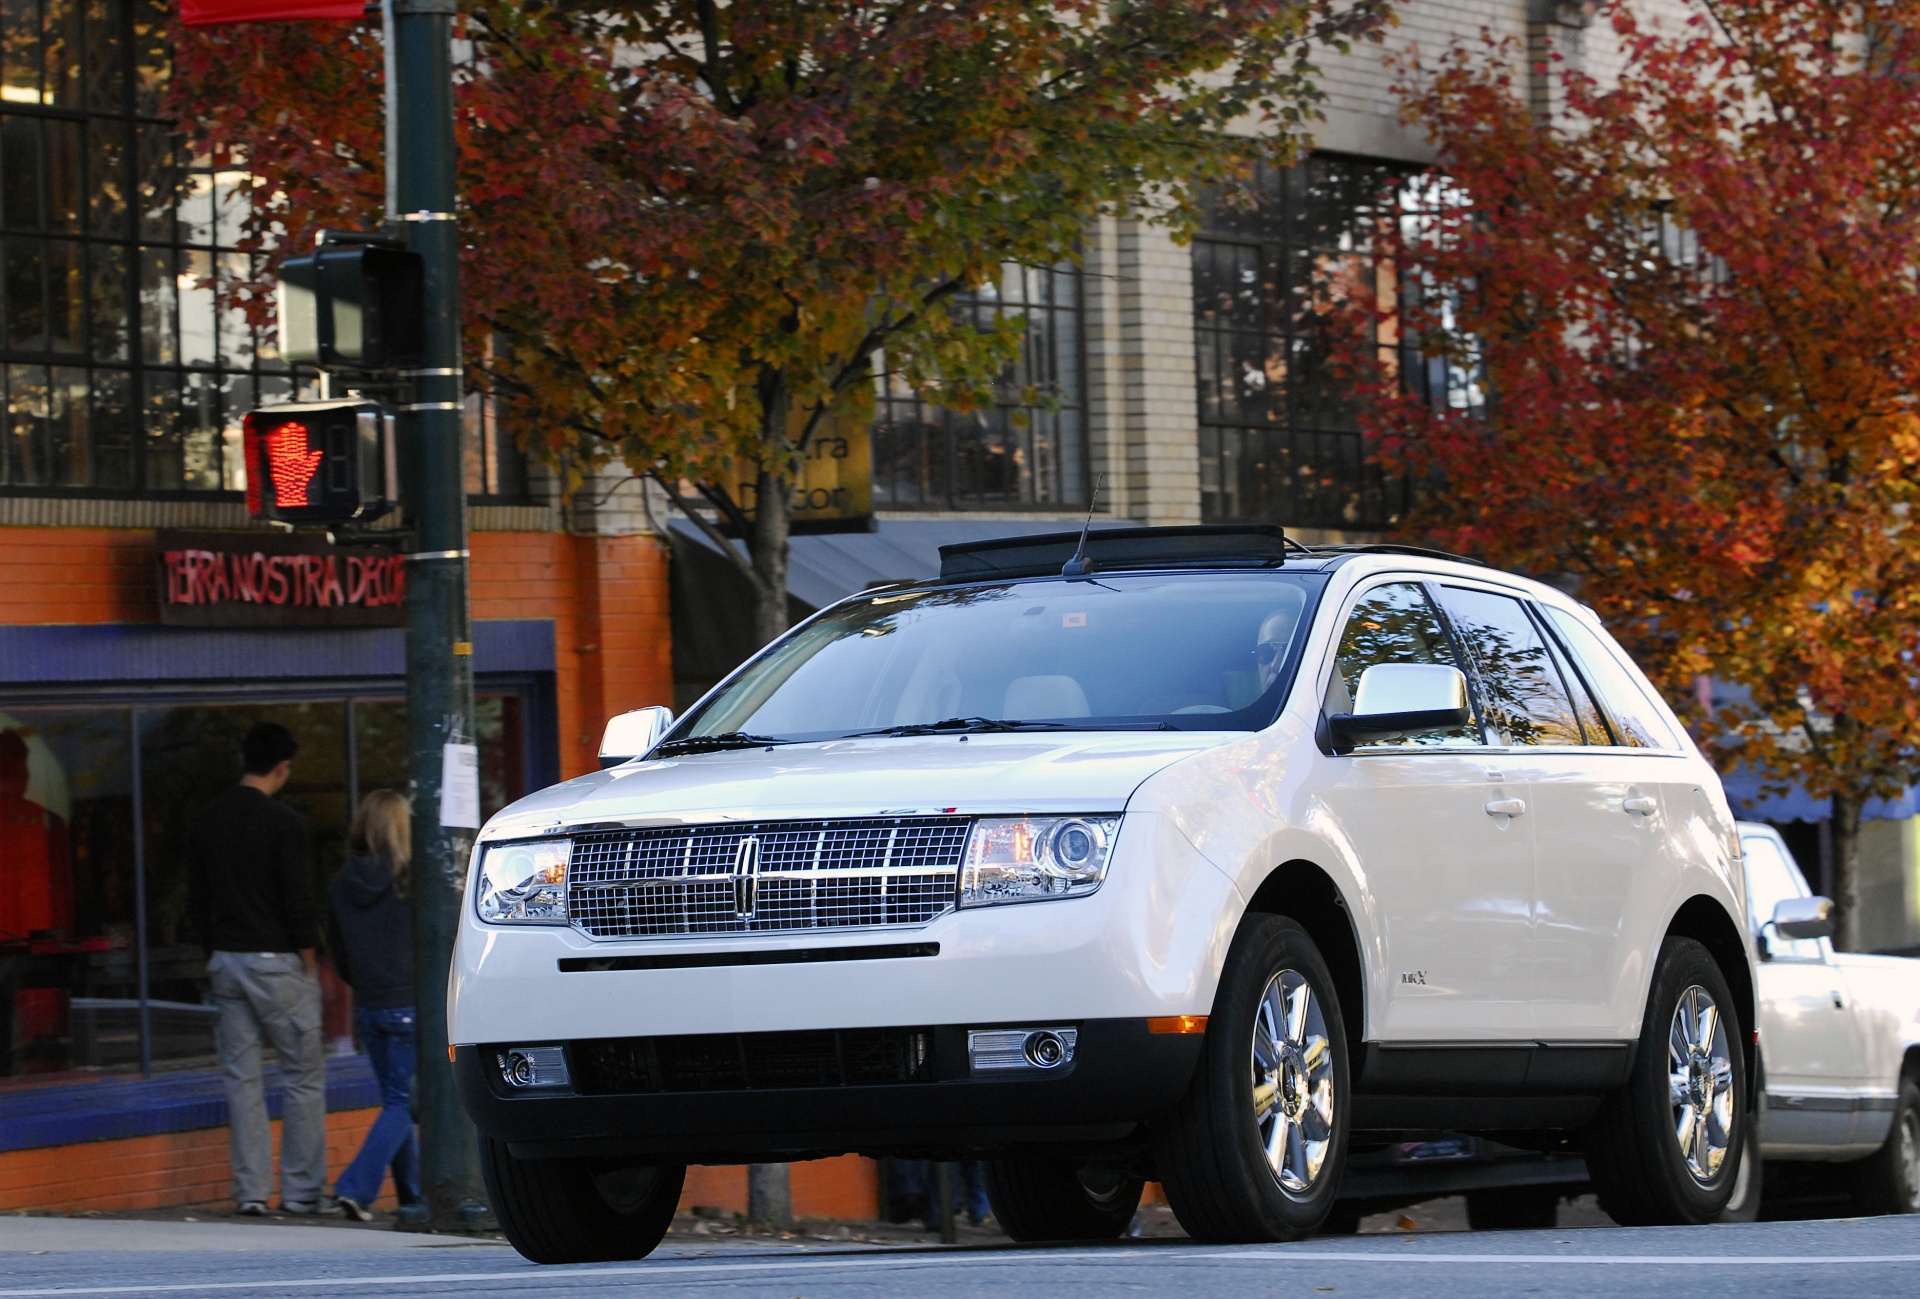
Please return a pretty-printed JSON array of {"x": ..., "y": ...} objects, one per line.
[
  {"x": 714, "y": 743},
  {"x": 958, "y": 725}
]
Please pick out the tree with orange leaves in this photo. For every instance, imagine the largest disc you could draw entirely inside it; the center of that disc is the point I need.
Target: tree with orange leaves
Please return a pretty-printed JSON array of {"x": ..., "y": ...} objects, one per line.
[
  {"x": 1694, "y": 305},
  {"x": 691, "y": 226}
]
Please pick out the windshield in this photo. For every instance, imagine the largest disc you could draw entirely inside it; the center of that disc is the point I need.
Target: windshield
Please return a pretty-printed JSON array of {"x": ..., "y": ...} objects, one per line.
[{"x": 1179, "y": 651}]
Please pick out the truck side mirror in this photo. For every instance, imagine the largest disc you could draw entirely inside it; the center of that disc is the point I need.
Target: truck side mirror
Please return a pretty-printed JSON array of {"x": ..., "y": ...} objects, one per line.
[
  {"x": 631, "y": 734},
  {"x": 1803, "y": 917},
  {"x": 1398, "y": 700}
]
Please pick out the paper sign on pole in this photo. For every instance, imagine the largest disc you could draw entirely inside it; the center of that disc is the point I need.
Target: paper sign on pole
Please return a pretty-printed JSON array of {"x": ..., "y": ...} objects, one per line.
[{"x": 460, "y": 786}]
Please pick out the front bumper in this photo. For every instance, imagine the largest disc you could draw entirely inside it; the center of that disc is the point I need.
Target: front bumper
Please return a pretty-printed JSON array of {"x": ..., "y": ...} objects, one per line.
[{"x": 1122, "y": 1075}]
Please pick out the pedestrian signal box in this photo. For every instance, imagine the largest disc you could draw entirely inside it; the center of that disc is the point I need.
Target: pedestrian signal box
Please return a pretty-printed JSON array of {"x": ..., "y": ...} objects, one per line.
[
  {"x": 356, "y": 302},
  {"x": 319, "y": 462}
]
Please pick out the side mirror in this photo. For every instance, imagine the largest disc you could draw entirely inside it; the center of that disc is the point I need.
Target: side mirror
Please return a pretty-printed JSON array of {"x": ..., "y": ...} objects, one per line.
[
  {"x": 631, "y": 734},
  {"x": 1803, "y": 918},
  {"x": 1397, "y": 700}
]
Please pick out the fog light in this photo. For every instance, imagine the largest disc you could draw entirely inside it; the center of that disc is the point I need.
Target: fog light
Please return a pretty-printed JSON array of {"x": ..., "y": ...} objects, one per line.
[
  {"x": 1045, "y": 1050},
  {"x": 1021, "y": 1050},
  {"x": 527, "y": 1067}
]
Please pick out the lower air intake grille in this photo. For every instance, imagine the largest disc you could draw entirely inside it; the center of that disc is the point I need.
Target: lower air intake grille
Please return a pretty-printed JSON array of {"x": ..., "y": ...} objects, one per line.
[
  {"x": 848, "y": 1057},
  {"x": 765, "y": 877}
]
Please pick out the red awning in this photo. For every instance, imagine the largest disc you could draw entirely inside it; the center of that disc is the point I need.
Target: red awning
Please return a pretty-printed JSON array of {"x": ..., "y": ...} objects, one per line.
[{"x": 203, "y": 13}]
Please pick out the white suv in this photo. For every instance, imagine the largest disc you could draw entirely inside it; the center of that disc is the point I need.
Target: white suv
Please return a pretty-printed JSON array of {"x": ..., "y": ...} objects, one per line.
[{"x": 1177, "y": 854}]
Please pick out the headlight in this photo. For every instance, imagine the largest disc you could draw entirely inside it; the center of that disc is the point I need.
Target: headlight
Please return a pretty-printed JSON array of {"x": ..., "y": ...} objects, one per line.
[
  {"x": 1023, "y": 859},
  {"x": 524, "y": 883}
]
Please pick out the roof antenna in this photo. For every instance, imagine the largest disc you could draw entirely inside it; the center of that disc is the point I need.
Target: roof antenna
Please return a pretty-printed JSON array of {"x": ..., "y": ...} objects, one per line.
[{"x": 1080, "y": 565}]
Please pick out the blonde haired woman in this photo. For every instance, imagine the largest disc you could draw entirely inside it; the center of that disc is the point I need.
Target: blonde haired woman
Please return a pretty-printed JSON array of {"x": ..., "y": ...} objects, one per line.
[{"x": 370, "y": 927}]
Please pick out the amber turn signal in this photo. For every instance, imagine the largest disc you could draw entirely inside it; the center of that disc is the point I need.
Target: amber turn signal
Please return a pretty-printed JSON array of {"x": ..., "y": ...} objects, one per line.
[
  {"x": 450, "y": 1059},
  {"x": 1177, "y": 1024}
]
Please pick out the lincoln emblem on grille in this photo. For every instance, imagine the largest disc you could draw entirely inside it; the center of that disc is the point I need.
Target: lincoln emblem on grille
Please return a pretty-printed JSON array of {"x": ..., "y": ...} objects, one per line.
[{"x": 746, "y": 876}]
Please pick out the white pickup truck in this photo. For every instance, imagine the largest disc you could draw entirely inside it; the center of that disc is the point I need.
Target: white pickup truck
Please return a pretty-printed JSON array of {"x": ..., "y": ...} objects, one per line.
[{"x": 1839, "y": 1044}]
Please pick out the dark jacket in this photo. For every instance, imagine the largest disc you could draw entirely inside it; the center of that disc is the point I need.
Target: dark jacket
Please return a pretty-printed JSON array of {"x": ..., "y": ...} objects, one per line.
[
  {"x": 370, "y": 932},
  {"x": 249, "y": 885}
]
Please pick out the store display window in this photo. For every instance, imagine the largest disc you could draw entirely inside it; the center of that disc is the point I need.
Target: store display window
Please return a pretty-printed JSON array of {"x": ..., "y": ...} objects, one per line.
[{"x": 88, "y": 907}]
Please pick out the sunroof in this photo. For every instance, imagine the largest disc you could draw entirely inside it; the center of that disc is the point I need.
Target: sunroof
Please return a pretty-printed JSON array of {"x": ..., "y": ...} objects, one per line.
[{"x": 1115, "y": 549}]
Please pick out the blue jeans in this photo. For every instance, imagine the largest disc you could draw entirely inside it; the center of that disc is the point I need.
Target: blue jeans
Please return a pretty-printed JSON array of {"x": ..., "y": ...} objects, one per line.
[{"x": 388, "y": 1038}]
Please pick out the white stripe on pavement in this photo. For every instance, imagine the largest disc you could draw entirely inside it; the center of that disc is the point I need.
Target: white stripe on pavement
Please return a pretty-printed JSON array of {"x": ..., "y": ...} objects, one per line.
[{"x": 819, "y": 1262}]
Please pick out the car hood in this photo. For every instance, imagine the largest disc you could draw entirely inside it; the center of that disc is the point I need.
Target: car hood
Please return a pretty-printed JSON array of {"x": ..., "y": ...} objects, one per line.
[{"x": 1075, "y": 772}]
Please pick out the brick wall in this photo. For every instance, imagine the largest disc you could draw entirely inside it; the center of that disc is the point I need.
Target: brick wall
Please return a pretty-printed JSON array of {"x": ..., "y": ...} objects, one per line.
[{"x": 156, "y": 1172}]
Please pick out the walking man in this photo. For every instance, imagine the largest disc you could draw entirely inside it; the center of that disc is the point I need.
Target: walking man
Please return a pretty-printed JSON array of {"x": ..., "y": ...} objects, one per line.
[{"x": 250, "y": 890}]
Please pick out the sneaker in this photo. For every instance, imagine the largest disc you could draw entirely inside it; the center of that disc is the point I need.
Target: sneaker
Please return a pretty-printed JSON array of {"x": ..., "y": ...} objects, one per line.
[
  {"x": 252, "y": 1209},
  {"x": 309, "y": 1208},
  {"x": 355, "y": 1210}
]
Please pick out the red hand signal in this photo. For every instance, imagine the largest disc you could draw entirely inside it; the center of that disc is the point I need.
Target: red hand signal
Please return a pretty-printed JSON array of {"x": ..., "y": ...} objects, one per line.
[{"x": 291, "y": 465}]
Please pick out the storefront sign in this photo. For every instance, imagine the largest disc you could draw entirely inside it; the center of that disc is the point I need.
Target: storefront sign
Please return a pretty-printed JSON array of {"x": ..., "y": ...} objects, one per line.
[{"x": 254, "y": 579}]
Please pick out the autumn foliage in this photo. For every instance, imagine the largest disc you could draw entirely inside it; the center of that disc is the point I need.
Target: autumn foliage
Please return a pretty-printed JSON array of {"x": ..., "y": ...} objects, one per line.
[
  {"x": 1692, "y": 305},
  {"x": 691, "y": 225}
]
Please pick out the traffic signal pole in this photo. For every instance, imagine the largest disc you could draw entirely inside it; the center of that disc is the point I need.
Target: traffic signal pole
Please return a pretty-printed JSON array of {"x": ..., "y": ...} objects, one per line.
[{"x": 421, "y": 203}]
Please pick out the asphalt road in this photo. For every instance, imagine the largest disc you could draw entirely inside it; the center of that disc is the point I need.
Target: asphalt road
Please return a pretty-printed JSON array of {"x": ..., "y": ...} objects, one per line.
[{"x": 1851, "y": 1258}]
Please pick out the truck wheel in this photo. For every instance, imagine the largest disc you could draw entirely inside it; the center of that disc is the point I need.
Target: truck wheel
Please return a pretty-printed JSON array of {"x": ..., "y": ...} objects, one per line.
[
  {"x": 1666, "y": 1149},
  {"x": 1888, "y": 1180},
  {"x": 579, "y": 1210},
  {"x": 1513, "y": 1208},
  {"x": 1061, "y": 1199},
  {"x": 1254, "y": 1149}
]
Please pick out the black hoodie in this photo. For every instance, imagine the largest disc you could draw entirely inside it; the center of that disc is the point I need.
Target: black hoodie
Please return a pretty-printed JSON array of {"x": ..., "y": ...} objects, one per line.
[{"x": 371, "y": 934}]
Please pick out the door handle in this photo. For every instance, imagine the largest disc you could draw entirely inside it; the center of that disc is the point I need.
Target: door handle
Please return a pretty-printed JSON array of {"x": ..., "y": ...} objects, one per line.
[
  {"x": 1506, "y": 807},
  {"x": 1643, "y": 803}
]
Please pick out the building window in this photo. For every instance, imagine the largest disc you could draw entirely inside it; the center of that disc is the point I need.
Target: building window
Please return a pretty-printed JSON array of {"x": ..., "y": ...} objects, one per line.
[
  {"x": 1279, "y": 437},
  {"x": 1029, "y": 451},
  {"x": 119, "y": 371}
]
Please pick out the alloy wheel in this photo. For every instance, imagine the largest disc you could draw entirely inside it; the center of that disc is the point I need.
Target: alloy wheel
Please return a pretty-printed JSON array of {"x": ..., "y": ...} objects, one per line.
[
  {"x": 1292, "y": 1081},
  {"x": 1700, "y": 1076}
]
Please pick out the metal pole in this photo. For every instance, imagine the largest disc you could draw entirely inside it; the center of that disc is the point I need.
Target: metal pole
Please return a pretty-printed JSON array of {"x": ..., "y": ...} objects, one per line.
[
  {"x": 140, "y": 897},
  {"x": 439, "y": 642}
]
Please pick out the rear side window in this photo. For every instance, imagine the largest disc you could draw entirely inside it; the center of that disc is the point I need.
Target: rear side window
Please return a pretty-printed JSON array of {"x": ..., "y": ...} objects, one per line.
[
  {"x": 1526, "y": 698},
  {"x": 1636, "y": 723},
  {"x": 1592, "y": 720},
  {"x": 1394, "y": 624}
]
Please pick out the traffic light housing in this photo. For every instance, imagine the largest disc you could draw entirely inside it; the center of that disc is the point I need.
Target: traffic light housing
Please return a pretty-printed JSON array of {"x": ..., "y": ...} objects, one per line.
[
  {"x": 354, "y": 303},
  {"x": 319, "y": 462}
]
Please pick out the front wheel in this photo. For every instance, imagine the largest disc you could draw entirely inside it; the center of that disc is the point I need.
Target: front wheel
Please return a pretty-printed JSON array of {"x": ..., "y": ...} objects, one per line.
[
  {"x": 1888, "y": 1180},
  {"x": 1666, "y": 1149},
  {"x": 579, "y": 1210},
  {"x": 1061, "y": 1199},
  {"x": 1254, "y": 1149}
]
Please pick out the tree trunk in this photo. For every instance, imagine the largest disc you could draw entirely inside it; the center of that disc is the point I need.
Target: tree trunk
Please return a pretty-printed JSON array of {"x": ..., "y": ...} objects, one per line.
[
  {"x": 767, "y": 547},
  {"x": 770, "y": 1196},
  {"x": 1846, "y": 871}
]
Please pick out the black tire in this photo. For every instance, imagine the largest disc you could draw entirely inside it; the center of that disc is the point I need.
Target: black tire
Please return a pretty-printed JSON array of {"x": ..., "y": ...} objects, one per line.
[
  {"x": 1209, "y": 1150},
  {"x": 1633, "y": 1147},
  {"x": 1888, "y": 1180},
  {"x": 1061, "y": 1199},
  {"x": 579, "y": 1210},
  {"x": 1513, "y": 1208}
]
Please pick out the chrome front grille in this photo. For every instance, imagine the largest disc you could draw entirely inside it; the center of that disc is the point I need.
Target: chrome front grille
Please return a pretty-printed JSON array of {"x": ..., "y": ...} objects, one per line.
[{"x": 767, "y": 876}]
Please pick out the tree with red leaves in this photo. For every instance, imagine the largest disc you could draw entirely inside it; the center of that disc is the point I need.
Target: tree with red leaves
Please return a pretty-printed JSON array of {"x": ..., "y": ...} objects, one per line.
[
  {"x": 1693, "y": 305},
  {"x": 690, "y": 226}
]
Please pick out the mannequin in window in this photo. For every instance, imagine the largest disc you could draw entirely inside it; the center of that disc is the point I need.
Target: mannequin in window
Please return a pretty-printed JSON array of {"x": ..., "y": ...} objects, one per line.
[{"x": 36, "y": 899}]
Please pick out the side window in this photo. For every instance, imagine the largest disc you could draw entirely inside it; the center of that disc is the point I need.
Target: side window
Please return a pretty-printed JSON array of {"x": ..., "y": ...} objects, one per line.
[
  {"x": 1771, "y": 879},
  {"x": 1636, "y": 724},
  {"x": 1395, "y": 624},
  {"x": 1526, "y": 698},
  {"x": 1592, "y": 720}
]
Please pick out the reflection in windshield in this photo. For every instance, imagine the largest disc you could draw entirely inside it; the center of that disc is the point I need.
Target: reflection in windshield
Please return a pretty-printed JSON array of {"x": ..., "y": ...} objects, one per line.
[{"x": 1183, "y": 652}]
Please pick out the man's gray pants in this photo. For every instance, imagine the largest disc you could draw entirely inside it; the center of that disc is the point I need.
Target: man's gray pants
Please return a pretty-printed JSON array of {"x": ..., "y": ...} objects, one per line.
[{"x": 267, "y": 997}]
